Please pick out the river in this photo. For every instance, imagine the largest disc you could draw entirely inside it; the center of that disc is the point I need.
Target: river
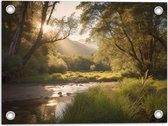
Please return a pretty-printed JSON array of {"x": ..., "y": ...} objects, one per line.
[{"x": 40, "y": 103}]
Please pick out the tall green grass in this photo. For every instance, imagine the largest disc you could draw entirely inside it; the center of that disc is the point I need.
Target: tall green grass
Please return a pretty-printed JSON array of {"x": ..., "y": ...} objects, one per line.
[
  {"x": 132, "y": 100},
  {"x": 95, "y": 106}
]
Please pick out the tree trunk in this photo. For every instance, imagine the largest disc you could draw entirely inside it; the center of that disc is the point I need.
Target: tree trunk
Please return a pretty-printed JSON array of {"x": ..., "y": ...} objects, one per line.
[
  {"x": 39, "y": 38},
  {"x": 19, "y": 29},
  {"x": 161, "y": 41},
  {"x": 30, "y": 53},
  {"x": 39, "y": 41}
]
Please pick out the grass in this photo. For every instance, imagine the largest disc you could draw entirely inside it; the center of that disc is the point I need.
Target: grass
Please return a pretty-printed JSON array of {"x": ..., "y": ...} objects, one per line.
[
  {"x": 69, "y": 76},
  {"x": 132, "y": 100},
  {"x": 95, "y": 106}
]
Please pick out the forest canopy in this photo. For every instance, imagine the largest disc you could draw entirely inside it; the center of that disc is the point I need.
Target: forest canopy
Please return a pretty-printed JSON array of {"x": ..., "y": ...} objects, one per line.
[{"x": 129, "y": 36}]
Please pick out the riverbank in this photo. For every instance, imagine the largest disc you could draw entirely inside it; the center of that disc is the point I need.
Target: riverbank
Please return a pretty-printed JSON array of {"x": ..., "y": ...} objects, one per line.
[
  {"x": 41, "y": 103},
  {"x": 76, "y": 77},
  {"x": 32, "y": 91},
  {"x": 131, "y": 100}
]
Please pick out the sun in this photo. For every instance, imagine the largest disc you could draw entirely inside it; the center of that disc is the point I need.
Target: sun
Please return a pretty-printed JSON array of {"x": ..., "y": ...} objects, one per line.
[{"x": 46, "y": 28}]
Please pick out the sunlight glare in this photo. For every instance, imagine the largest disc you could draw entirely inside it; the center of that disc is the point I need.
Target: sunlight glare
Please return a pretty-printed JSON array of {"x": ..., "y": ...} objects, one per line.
[
  {"x": 52, "y": 102},
  {"x": 46, "y": 28}
]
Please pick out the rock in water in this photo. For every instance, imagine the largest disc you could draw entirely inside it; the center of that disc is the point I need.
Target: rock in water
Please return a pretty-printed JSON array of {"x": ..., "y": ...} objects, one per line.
[{"x": 60, "y": 93}]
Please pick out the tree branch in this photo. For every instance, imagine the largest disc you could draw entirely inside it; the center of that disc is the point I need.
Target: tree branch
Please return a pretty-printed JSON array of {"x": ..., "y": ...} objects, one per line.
[
  {"x": 53, "y": 6},
  {"x": 127, "y": 36},
  {"x": 162, "y": 41}
]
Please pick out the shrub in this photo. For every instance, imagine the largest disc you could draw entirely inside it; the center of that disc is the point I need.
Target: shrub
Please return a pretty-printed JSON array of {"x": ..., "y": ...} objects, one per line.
[
  {"x": 59, "y": 67},
  {"x": 10, "y": 66},
  {"x": 57, "y": 77},
  {"x": 92, "y": 67},
  {"x": 134, "y": 88},
  {"x": 155, "y": 102},
  {"x": 128, "y": 74}
]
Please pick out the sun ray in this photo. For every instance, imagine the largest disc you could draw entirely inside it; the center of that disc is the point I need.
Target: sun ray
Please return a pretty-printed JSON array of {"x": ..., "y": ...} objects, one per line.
[{"x": 46, "y": 28}]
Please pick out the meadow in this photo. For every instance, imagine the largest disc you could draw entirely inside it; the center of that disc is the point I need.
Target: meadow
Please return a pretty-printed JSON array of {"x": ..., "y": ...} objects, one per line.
[{"x": 77, "y": 77}]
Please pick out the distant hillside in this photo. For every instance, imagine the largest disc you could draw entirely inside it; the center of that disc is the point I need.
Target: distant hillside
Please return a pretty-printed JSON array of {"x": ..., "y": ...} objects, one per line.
[
  {"x": 73, "y": 48},
  {"x": 90, "y": 44}
]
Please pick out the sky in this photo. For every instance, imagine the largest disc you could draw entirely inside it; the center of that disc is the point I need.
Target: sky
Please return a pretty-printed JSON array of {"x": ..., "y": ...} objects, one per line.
[{"x": 66, "y": 8}]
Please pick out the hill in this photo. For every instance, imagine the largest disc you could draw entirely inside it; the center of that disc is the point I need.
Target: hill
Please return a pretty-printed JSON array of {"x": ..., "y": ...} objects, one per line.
[{"x": 73, "y": 48}]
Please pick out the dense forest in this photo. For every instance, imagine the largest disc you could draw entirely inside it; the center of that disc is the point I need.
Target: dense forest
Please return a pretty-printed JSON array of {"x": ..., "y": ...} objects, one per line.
[
  {"x": 130, "y": 37},
  {"x": 131, "y": 40},
  {"x": 29, "y": 50},
  {"x": 135, "y": 35}
]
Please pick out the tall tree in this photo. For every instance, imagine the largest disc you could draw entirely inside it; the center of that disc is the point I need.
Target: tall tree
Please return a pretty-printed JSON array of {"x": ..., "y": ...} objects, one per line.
[
  {"x": 129, "y": 27},
  {"x": 63, "y": 28},
  {"x": 17, "y": 36}
]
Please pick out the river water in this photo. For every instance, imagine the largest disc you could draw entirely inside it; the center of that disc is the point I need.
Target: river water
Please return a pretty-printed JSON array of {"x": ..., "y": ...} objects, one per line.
[{"x": 39, "y": 103}]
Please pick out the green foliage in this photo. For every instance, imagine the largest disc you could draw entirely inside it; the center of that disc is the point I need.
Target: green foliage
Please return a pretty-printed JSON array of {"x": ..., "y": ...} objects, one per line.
[
  {"x": 57, "y": 77},
  {"x": 155, "y": 102},
  {"x": 55, "y": 63},
  {"x": 124, "y": 41},
  {"x": 95, "y": 106},
  {"x": 60, "y": 68},
  {"x": 134, "y": 88},
  {"x": 34, "y": 67},
  {"x": 144, "y": 95},
  {"x": 148, "y": 49},
  {"x": 10, "y": 66},
  {"x": 78, "y": 63},
  {"x": 128, "y": 101},
  {"x": 84, "y": 64},
  {"x": 70, "y": 76}
]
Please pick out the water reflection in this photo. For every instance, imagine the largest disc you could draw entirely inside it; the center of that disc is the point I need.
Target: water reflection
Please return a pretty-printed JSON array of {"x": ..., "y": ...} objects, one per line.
[
  {"x": 37, "y": 111},
  {"x": 47, "y": 108},
  {"x": 69, "y": 89},
  {"x": 61, "y": 108},
  {"x": 52, "y": 102}
]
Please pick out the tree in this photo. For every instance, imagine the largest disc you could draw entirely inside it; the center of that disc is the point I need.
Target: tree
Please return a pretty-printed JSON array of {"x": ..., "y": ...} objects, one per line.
[
  {"x": 16, "y": 38},
  {"x": 128, "y": 27},
  {"x": 63, "y": 30}
]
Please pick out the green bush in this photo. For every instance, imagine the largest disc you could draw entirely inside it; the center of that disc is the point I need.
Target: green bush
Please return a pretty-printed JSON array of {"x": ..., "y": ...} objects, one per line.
[
  {"x": 155, "y": 102},
  {"x": 81, "y": 63},
  {"x": 57, "y": 77},
  {"x": 128, "y": 74},
  {"x": 37, "y": 65},
  {"x": 134, "y": 88},
  {"x": 57, "y": 68},
  {"x": 10, "y": 66}
]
